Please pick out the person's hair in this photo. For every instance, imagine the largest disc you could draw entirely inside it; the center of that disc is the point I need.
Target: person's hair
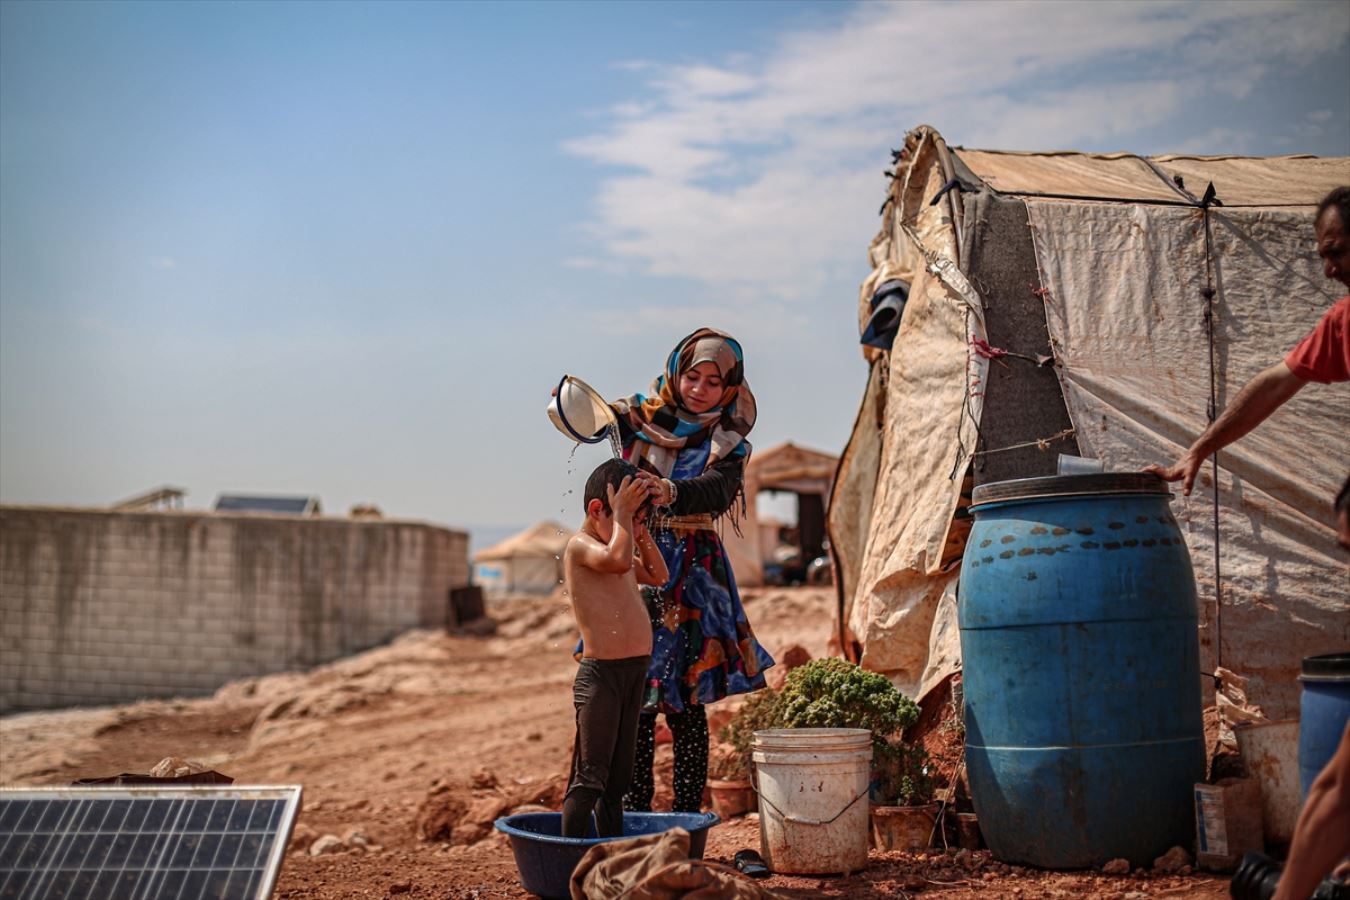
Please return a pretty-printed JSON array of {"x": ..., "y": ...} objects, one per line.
[
  {"x": 1339, "y": 198},
  {"x": 1343, "y": 498},
  {"x": 609, "y": 473}
]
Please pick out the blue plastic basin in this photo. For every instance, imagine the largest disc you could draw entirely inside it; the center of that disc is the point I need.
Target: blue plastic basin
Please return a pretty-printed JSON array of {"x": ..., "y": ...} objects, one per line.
[{"x": 546, "y": 859}]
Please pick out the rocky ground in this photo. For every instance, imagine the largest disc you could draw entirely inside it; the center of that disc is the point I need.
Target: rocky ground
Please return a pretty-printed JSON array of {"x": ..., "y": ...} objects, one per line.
[{"x": 408, "y": 752}]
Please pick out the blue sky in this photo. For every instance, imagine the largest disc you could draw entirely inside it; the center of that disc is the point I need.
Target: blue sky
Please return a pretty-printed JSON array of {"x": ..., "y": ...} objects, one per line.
[{"x": 345, "y": 249}]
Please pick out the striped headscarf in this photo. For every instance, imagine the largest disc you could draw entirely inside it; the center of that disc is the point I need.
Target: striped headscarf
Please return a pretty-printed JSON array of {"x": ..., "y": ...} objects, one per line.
[{"x": 665, "y": 426}]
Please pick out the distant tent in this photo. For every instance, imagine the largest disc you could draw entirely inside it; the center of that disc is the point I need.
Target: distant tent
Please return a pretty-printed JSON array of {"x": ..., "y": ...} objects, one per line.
[
  {"x": 526, "y": 563},
  {"x": 785, "y": 468},
  {"x": 1097, "y": 274},
  {"x": 277, "y": 505}
]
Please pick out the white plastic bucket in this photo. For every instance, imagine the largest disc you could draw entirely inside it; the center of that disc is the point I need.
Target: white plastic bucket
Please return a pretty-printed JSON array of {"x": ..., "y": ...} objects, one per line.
[{"x": 812, "y": 785}]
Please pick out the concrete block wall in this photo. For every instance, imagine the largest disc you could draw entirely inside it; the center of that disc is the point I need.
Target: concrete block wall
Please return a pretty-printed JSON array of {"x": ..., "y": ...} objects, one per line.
[{"x": 101, "y": 606}]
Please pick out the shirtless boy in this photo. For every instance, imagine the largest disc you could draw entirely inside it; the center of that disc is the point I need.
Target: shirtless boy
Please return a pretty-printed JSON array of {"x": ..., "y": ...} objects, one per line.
[{"x": 604, "y": 564}]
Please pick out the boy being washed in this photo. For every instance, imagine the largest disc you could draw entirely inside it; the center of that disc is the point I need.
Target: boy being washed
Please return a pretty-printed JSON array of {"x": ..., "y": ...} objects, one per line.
[{"x": 604, "y": 563}]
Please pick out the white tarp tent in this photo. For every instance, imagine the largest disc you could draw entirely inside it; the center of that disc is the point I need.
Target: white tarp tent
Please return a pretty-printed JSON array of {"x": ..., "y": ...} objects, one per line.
[
  {"x": 1108, "y": 266},
  {"x": 525, "y": 563},
  {"x": 788, "y": 468}
]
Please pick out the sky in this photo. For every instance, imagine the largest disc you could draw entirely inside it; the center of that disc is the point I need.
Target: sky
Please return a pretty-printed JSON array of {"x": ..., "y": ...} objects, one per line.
[{"x": 346, "y": 249}]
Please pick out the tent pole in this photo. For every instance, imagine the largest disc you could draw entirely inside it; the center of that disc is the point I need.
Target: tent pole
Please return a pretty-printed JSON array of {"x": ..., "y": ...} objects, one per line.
[{"x": 1210, "y": 296}]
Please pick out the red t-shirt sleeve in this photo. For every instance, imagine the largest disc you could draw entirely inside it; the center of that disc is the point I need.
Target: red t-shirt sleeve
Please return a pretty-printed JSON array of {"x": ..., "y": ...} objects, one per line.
[{"x": 1324, "y": 355}]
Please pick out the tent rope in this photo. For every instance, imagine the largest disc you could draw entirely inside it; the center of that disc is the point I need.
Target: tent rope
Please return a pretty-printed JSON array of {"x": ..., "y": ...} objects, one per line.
[
  {"x": 1043, "y": 443},
  {"x": 1210, "y": 296}
]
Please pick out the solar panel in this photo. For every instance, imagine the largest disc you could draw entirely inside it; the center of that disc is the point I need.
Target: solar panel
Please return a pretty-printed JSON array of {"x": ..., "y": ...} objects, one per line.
[
  {"x": 295, "y": 506},
  {"x": 144, "y": 843}
]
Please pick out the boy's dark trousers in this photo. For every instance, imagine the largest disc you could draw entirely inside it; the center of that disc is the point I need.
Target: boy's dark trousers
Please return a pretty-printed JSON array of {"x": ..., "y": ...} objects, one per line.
[{"x": 607, "y": 694}]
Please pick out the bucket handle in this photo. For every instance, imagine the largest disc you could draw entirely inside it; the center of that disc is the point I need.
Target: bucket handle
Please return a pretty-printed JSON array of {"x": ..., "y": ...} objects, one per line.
[{"x": 802, "y": 820}]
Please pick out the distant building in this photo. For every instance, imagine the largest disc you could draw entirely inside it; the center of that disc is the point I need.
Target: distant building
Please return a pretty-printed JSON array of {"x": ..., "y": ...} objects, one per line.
[{"x": 109, "y": 605}]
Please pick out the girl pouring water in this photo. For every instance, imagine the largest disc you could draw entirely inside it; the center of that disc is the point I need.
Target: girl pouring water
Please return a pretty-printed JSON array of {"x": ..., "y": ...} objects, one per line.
[{"x": 688, "y": 436}]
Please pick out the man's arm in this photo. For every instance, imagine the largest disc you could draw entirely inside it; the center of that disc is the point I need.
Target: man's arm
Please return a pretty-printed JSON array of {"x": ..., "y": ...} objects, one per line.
[
  {"x": 1322, "y": 835},
  {"x": 1258, "y": 399},
  {"x": 651, "y": 568}
]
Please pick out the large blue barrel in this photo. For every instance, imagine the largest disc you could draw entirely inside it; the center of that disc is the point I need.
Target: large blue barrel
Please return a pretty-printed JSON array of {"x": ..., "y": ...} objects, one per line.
[
  {"x": 1081, "y": 670},
  {"x": 1323, "y": 711}
]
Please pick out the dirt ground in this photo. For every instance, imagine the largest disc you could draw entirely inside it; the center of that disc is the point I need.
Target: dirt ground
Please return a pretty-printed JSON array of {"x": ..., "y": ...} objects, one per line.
[{"x": 407, "y": 752}]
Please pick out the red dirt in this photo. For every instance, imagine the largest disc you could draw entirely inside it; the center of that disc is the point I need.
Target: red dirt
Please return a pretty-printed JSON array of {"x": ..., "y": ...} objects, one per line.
[{"x": 435, "y": 735}]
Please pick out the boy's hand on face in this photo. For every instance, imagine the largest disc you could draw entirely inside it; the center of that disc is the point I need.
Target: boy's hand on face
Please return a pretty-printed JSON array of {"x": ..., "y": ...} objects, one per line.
[{"x": 632, "y": 493}]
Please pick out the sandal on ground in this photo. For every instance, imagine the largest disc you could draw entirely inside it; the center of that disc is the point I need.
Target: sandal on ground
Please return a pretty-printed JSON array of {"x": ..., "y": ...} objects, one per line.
[{"x": 750, "y": 863}]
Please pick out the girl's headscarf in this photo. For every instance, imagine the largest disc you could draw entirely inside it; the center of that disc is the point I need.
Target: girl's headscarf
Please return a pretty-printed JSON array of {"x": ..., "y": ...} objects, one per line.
[{"x": 662, "y": 420}]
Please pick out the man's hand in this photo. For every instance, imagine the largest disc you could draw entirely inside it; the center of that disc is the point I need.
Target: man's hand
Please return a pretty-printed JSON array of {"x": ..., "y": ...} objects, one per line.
[
  {"x": 1258, "y": 399},
  {"x": 1183, "y": 470}
]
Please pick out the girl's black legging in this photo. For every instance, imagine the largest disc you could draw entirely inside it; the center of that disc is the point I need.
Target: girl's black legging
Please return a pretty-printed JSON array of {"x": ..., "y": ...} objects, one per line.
[{"x": 690, "y": 730}]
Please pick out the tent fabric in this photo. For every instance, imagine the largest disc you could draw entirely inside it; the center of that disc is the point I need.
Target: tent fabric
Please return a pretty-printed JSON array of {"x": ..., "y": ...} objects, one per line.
[
  {"x": 1113, "y": 176},
  {"x": 1240, "y": 180},
  {"x": 921, "y": 467},
  {"x": 1023, "y": 403},
  {"x": 850, "y": 510},
  {"x": 547, "y": 539},
  {"x": 1247, "y": 181},
  {"x": 1119, "y": 287},
  {"x": 525, "y": 563},
  {"x": 1125, "y": 313}
]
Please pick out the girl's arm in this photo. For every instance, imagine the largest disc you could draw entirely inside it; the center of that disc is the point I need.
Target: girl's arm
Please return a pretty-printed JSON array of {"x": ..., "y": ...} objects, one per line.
[{"x": 712, "y": 492}]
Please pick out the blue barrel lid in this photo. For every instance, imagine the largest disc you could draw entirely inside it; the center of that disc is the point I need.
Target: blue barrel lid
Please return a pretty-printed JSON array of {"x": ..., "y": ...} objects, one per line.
[
  {"x": 1327, "y": 667},
  {"x": 1070, "y": 486}
]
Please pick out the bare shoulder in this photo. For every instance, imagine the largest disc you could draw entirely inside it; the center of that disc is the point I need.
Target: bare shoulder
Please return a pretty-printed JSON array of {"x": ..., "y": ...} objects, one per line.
[
  {"x": 581, "y": 546},
  {"x": 581, "y": 542}
]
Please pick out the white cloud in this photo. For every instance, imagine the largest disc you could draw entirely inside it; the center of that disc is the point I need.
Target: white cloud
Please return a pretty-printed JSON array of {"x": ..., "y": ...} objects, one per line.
[
  {"x": 1217, "y": 141},
  {"x": 754, "y": 323},
  {"x": 594, "y": 264},
  {"x": 163, "y": 262},
  {"x": 758, "y": 175}
]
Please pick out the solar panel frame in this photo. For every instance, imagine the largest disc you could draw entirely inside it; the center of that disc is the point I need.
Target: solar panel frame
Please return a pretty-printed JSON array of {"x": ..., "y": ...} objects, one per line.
[{"x": 126, "y": 834}]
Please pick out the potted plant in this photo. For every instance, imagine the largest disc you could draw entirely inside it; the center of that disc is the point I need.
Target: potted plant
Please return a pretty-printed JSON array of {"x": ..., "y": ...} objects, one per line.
[
  {"x": 729, "y": 766},
  {"x": 835, "y": 693},
  {"x": 903, "y": 812}
]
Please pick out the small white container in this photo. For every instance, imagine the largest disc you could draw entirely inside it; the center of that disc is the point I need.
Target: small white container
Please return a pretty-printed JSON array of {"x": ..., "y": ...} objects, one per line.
[{"x": 578, "y": 411}]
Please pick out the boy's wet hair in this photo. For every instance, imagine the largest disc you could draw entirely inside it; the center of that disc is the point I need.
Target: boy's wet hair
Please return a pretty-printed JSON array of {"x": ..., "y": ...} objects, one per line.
[{"x": 611, "y": 472}]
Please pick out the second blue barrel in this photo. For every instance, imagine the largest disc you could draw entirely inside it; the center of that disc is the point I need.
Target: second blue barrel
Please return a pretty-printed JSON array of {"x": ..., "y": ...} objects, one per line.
[
  {"x": 1323, "y": 711},
  {"x": 1081, "y": 667}
]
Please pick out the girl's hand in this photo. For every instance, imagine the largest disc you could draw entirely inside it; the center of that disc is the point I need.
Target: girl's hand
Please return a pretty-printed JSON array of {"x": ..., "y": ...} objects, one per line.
[{"x": 663, "y": 492}]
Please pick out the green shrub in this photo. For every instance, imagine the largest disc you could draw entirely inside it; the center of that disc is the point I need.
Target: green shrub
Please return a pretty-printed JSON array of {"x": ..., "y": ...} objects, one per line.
[
  {"x": 902, "y": 775},
  {"x": 835, "y": 693}
]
